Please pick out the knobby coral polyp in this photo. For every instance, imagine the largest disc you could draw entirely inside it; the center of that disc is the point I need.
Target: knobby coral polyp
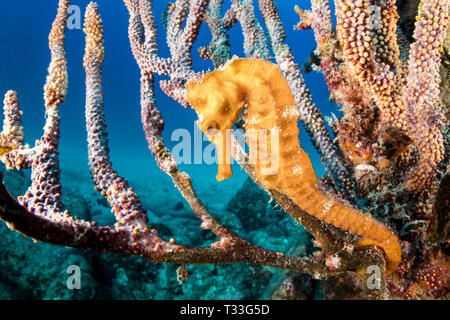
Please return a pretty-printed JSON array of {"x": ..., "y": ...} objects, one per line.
[{"x": 386, "y": 180}]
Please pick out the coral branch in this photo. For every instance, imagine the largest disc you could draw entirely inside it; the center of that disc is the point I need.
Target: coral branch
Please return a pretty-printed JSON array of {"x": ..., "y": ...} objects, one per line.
[
  {"x": 43, "y": 196},
  {"x": 367, "y": 32},
  {"x": 255, "y": 43},
  {"x": 125, "y": 204},
  {"x": 12, "y": 151},
  {"x": 145, "y": 53},
  {"x": 424, "y": 111},
  {"x": 12, "y": 135},
  {"x": 319, "y": 19},
  {"x": 219, "y": 50}
]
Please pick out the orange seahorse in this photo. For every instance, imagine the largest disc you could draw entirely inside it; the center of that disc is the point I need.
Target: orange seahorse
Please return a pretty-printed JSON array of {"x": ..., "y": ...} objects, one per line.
[{"x": 219, "y": 98}]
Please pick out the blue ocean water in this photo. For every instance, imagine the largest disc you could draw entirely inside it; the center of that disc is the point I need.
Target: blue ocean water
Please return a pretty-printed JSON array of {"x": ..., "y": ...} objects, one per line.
[{"x": 24, "y": 58}]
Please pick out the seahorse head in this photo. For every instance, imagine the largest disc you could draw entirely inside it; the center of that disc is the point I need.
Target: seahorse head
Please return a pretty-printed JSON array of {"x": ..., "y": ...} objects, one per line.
[{"x": 218, "y": 101}]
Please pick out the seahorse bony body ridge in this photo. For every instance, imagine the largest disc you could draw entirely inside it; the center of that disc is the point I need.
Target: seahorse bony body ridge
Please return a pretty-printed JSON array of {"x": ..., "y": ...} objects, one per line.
[{"x": 272, "y": 135}]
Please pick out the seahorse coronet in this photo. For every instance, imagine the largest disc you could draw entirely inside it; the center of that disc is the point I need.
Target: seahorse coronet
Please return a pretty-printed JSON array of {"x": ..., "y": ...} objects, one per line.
[{"x": 272, "y": 135}]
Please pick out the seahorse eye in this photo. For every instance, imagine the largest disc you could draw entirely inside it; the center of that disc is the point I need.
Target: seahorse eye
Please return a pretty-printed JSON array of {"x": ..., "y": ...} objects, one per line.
[
  {"x": 225, "y": 108},
  {"x": 210, "y": 126}
]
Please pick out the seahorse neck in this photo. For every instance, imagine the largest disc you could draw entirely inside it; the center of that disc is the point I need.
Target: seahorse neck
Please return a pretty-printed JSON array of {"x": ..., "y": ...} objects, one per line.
[{"x": 263, "y": 99}]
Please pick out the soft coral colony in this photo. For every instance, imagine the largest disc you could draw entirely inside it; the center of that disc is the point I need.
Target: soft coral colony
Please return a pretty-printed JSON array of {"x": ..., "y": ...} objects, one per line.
[{"x": 387, "y": 185}]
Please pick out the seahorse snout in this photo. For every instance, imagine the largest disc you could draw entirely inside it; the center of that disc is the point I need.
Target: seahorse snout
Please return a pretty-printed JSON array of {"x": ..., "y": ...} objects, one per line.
[
  {"x": 222, "y": 139},
  {"x": 218, "y": 103}
]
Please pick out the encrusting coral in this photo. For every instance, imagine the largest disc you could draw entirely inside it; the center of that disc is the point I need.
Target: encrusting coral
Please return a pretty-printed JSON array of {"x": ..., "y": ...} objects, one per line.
[{"x": 386, "y": 177}]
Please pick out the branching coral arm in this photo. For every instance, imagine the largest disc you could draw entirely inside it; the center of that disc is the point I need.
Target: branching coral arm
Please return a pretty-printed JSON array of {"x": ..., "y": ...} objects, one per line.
[
  {"x": 12, "y": 151},
  {"x": 179, "y": 39},
  {"x": 125, "y": 204},
  {"x": 424, "y": 109},
  {"x": 195, "y": 18},
  {"x": 145, "y": 53},
  {"x": 319, "y": 19},
  {"x": 367, "y": 32},
  {"x": 255, "y": 42},
  {"x": 43, "y": 196},
  {"x": 12, "y": 135},
  {"x": 219, "y": 50},
  {"x": 180, "y": 42},
  {"x": 176, "y": 15}
]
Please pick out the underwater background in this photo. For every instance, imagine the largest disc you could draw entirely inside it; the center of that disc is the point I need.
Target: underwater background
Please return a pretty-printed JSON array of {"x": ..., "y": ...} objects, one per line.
[{"x": 31, "y": 270}]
